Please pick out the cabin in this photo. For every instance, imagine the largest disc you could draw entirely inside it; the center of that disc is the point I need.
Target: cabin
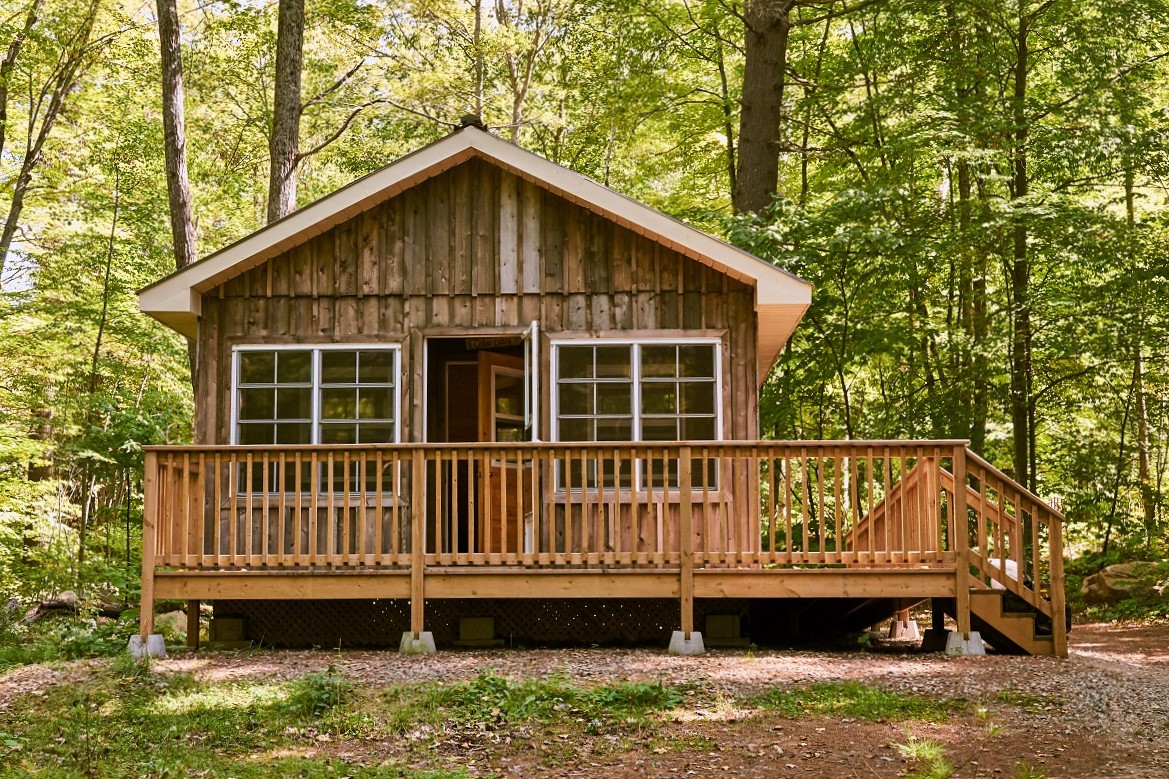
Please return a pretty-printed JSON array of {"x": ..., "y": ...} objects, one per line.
[{"x": 475, "y": 394}]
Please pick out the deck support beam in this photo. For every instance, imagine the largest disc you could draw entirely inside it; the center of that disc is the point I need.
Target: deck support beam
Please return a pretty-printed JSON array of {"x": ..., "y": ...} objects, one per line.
[
  {"x": 149, "y": 528},
  {"x": 961, "y": 542},
  {"x": 193, "y": 624},
  {"x": 686, "y": 585},
  {"x": 417, "y": 546}
]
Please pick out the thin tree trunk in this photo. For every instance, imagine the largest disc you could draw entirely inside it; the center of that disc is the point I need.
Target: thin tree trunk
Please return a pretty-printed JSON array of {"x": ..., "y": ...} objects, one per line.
[
  {"x": 1148, "y": 497},
  {"x": 768, "y": 29},
  {"x": 9, "y": 62},
  {"x": 1021, "y": 369},
  {"x": 60, "y": 85},
  {"x": 283, "y": 144},
  {"x": 478, "y": 45}
]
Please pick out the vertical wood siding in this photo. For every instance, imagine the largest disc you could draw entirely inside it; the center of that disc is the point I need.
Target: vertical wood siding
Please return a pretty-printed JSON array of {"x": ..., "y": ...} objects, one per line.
[{"x": 473, "y": 247}]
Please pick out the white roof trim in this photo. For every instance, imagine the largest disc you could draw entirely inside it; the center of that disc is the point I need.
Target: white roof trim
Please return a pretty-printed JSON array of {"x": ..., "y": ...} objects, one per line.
[{"x": 175, "y": 300}]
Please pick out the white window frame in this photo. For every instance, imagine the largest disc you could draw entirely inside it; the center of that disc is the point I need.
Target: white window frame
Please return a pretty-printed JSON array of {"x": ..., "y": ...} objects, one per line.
[
  {"x": 316, "y": 349},
  {"x": 635, "y": 389}
]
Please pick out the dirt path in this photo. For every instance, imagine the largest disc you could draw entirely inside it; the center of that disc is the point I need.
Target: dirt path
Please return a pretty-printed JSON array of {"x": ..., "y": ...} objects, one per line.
[{"x": 1104, "y": 712}]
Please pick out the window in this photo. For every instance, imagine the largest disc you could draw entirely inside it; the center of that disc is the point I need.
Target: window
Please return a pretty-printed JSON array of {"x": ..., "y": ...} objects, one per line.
[
  {"x": 315, "y": 395},
  {"x": 636, "y": 391}
]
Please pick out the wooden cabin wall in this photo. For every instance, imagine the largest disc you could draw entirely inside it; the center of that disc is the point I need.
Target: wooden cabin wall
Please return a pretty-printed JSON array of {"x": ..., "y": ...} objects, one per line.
[{"x": 475, "y": 246}]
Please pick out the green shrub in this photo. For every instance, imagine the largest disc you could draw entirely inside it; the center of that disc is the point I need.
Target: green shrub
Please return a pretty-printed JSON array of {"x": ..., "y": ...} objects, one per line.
[{"x": 315, "y": 694}]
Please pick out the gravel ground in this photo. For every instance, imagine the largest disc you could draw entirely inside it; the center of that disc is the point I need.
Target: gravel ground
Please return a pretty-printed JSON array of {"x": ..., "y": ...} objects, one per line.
[{"x": 1103, "y": 712}]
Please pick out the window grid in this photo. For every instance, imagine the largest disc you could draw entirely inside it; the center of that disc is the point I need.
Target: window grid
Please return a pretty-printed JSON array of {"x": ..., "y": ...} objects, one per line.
[
  {"x": 319, "y": 418},
  {"x": 706, "y": 422}
]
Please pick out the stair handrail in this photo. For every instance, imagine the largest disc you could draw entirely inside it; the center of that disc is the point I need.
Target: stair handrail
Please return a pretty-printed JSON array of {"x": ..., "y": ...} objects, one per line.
[{"x": 1043, "y": 515}]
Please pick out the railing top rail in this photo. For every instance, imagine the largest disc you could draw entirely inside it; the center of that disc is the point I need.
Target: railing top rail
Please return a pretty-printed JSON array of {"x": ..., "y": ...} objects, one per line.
[
  {"x": 972, "y": 458},
  {"x": 586, "y": 445}
]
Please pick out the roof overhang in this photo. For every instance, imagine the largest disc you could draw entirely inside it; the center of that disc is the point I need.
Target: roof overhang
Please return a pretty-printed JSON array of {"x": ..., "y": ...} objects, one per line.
[{"x": 781, "y": 298}]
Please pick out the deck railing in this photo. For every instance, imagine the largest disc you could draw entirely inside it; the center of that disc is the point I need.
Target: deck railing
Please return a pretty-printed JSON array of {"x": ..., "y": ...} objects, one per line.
[{"x": 732, "y": 504}]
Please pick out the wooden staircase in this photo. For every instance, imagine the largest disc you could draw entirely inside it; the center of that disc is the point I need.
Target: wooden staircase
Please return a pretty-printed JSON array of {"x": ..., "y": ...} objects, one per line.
[
  {"x": 1007, "y": 545},
  {"x": 1010, "y": 630}
]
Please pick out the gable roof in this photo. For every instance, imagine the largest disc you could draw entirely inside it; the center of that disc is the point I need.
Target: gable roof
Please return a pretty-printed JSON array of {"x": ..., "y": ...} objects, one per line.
[{"x": 781, "y": 298}]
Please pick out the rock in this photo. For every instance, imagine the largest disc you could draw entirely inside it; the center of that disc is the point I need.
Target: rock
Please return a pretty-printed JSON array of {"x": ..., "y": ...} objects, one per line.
[
  {"x": 1118, "y": 582},
  {"x": 171, "y": 623}
]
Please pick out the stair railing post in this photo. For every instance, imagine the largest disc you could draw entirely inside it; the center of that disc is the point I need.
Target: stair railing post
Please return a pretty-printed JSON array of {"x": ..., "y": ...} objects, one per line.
[
  {"x": 960, "y": 528},
  {"x": 1059, "y": 628}
]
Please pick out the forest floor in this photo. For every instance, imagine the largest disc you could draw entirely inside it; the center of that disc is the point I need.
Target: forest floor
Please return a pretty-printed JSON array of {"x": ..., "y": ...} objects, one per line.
[{"x": 1103, "y": 712}]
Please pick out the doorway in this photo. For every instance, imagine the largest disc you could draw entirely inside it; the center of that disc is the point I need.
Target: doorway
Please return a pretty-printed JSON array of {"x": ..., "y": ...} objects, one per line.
[{"x": 479, "y": 391}]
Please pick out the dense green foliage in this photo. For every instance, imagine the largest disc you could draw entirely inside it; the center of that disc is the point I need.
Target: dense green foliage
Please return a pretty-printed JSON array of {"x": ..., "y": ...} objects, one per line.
[{"x": 901, "y": 137}]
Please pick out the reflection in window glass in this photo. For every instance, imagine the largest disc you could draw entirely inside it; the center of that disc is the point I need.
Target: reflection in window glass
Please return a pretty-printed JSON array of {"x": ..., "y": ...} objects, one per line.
[{"x": 636, "y": 392}]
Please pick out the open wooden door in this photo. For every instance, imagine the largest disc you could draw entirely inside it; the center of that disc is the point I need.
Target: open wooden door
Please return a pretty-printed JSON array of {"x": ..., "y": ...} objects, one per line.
[{"x": 505, "y": 522}]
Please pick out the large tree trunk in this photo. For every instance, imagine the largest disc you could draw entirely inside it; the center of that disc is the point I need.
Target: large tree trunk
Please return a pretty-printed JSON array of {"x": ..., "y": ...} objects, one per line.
[
  {"x": 178, "y": 187},
  {"x": 174, "y": 125},
  {"x": 768, "y": 28},
  {"x": 283, "y": 144}
]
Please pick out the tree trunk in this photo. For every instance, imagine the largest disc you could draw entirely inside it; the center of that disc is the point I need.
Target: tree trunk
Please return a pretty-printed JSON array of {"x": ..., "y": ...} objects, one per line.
[
  {"x": 182, "y": 226},
  {"x": 283, "y": 144},
  {"x": 1144, "y": 476},
  {"x": 1021, "y": 369},
  {"x": 9, "y": 62},
  {"x": 174, "y": 126},
  {"x": 57, "y": 90},
  {"x": 768, "y": 28}
]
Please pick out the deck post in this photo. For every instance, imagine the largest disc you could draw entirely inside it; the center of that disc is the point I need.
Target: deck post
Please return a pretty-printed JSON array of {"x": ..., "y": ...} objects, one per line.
[
  {"x": 686, "y": 641},
  {"x": 1059, "y": 628},
  {"x": 960, "y": 528},
  {"x": 149, "y": 531},
  {"x": 192, "y": 624},
  {"x": 686, "y": 527},
  {"x": 417, "y": 545}
]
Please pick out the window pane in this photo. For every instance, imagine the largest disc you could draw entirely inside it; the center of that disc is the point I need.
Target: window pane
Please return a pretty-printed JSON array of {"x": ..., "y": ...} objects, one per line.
[
  {"x": 257, "y": 404},
  {"x": 293, "y": 433},
  {"x": 257, "y": 367},
  {"x": 576, "y": 399},
  {"x": 698, "y": 429},
  {"x": 576, "y": 362},
  {"x": 615, "y": 429},
  {"x": 698, "y": 397},
  {"x": 376, "y": 403},
  {"x": 375, "y": 434},
  {"x": 613, "y": 398},
  {"x": 338, "y": 433},
  {"x": 509, "y": 394},
  {"x": 659, "y": 398},
  {"x": 659, "y": 361},
  {"x": 338, "y": 367},
  {"x": 696, "y": 360},
  {"x": 576, "y": 430},
  {"x": 614, "y": 362},
  {"x": 376, "y": 367},
  {"x": 659, "y": 429},
  {"x": 252, "y": 434},
  {"x": 339, "y": 403},
  {"x": 294, "y": 367},
  {"x": 294, "y": 403}
]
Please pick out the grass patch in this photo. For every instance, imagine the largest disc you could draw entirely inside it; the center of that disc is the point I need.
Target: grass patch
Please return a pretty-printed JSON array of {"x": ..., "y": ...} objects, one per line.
[
  {"x": 854, "y": 701},
  {"x": 496, "y": 700},
  {"x": 927, "y": 758},
  {"x": 126, "y": 720},
  {"x": 1027, "y": 701}
]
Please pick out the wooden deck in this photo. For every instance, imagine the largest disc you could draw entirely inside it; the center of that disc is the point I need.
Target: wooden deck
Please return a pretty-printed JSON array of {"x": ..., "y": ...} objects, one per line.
[{"x": 802, "y": 519}]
